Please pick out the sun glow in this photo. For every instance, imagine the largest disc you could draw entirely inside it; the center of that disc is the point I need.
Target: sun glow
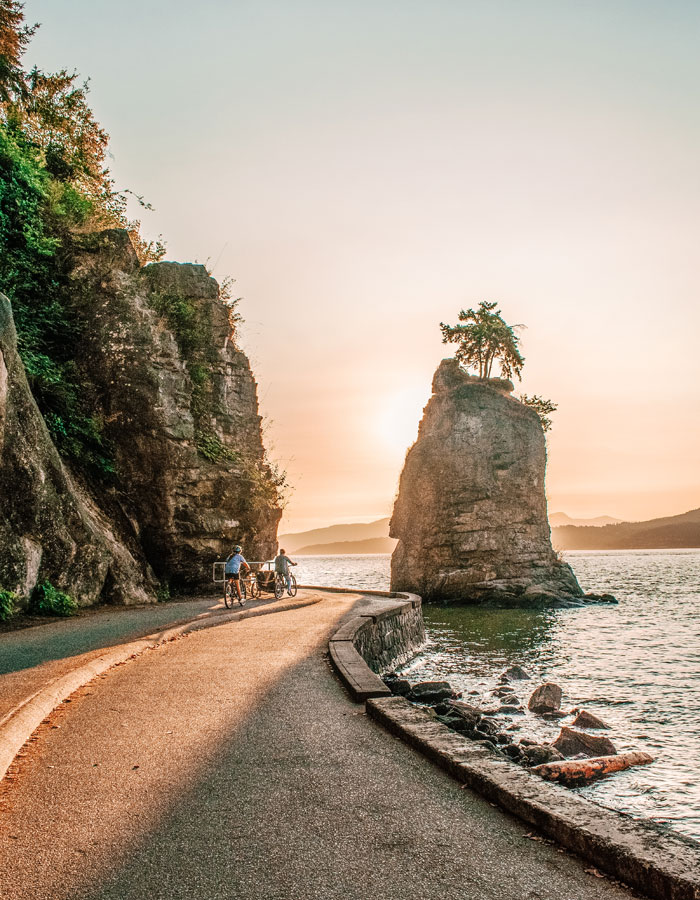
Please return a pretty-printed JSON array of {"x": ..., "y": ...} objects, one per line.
[{"x": 396, "y": 419}]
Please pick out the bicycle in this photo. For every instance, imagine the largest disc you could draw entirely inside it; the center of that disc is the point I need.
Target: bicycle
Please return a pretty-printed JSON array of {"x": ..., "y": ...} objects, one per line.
[
  {"x": 281, "y": 585},
  {"x": 230, "y": 593}
]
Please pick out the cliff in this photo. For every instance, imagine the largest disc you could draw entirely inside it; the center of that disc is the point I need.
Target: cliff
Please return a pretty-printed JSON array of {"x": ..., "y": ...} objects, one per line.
[
  {"x": 471, "y": 515},
  {"x": 177, "y": 403}
]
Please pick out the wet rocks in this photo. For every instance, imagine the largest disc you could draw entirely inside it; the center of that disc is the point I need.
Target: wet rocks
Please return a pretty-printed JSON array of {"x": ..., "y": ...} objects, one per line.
[
  {"x": 401, "y": 687},
  {"x": 573, "y": 743},
  {"x": 430, "y": 691},
  {"x": 538, "y": 754},
  {"x": 587, "y": 720},
  {"x": 515, "y": 673},
  {"x": 545, "y": 699}
]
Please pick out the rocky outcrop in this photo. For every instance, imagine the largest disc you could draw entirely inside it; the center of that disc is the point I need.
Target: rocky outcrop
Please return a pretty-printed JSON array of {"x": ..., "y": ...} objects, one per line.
[
  {"x": 50, "y": 529},
  {"x": 471, "y": 514},
  {"x": 179, "y": 405}
]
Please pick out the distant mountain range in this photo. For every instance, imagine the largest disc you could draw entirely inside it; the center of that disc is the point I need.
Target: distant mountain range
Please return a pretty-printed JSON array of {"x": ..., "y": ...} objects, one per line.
[
  {"x": 556, "y": 520},
  {"x": 600, "y": 533},
  {"x": 655, "y": 534},
  {"x": 349, "y": 537}
]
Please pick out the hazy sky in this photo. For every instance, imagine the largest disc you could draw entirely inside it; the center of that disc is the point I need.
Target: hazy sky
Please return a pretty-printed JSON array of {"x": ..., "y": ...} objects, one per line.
[{"x": 366, "y": 169}]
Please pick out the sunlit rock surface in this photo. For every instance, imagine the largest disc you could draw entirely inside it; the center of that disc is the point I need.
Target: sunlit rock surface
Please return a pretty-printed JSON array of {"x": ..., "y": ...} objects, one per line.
[
  {"x": 471, "y": 514},
  {"x": 180, "y": 413}
]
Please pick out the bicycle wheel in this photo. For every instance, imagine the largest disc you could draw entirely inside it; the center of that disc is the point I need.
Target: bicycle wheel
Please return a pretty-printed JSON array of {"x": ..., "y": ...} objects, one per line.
[
  {"x": 242, "y": 598},
  {"x": 292, "y": 586},
  {"x": 279, "y": 587},
  {"x": 229, "y": 592},
  {"x": 254, "y": 587}
]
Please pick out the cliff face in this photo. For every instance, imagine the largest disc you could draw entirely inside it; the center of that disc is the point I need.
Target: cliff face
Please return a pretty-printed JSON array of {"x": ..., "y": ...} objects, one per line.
[
  {"x": 471, "y": 515},
  {"x": 179, "y": 407},
  {"x": 49, "y": 527}
]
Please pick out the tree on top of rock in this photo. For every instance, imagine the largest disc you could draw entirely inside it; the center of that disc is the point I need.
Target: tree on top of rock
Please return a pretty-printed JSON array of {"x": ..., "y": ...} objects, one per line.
[{"x": 482, "y": 337}]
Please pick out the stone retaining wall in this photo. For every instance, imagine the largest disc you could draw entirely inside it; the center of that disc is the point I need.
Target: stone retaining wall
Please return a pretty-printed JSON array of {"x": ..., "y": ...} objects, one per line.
[
  {"x": 391, "y": 637},
  {"x": 380, "y": 637}
]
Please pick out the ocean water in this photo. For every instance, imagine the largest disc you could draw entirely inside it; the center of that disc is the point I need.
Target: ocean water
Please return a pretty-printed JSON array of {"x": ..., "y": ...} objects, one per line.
[{"x": 636, "y": 665}]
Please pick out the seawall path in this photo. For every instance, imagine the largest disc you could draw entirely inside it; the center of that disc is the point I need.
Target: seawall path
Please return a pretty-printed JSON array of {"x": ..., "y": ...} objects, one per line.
[{"x": 232, "y": 764}]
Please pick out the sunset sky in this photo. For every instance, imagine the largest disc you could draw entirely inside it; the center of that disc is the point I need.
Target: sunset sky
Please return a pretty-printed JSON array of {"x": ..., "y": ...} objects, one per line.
[{"x": 366, "y": 169}]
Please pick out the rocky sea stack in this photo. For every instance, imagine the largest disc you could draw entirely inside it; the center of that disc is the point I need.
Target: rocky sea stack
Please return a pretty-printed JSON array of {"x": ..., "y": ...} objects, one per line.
[
  {"x": 471, "y": 514},
  {"x": 175, "y": 400}
]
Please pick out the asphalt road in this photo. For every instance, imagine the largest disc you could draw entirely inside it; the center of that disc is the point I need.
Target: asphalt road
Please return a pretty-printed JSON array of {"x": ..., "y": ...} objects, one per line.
[{"x": 231, "y": 764}]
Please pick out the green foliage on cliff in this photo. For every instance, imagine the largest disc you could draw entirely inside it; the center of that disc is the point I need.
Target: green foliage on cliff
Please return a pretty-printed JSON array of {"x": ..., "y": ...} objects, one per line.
[
  {"x": 544, "y": 408},
  {"x": 47, "y": 600},
  {"x": 52, "y": 182},
  {"x": 483, "y": 337},
  {"x": 8, "y": 605}
]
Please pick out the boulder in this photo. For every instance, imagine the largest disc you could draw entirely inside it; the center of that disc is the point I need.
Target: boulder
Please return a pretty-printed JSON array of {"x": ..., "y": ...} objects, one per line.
[
  {"x": 430, "y": 691},
  {"x": 573, "y": 743},
  {"x": 471, "y": 514},
  {"x": 538, "y": 754},
  {"x": 546, "y": 698},
  {"x": 516, "y": 673},
  {"x": 400, "y": 687},
  {"x": 587, "y": 720}
]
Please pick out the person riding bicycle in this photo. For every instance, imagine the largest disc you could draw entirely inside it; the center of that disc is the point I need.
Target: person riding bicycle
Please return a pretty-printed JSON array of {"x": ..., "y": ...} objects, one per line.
[
  {"x": 233, "y": 568},
  {"x": 282, "y": 564}
]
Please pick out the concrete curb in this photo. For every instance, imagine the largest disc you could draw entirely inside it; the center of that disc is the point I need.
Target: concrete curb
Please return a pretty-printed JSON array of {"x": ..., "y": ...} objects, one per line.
[
  {"x": 20, "y": 723},
  {"x": 360, "y": 680},
  {"x": 662, "y": 866}
]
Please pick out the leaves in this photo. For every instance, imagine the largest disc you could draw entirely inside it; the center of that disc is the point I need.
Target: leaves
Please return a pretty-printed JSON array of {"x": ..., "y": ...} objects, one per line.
[{"x": 483, "y": 337}]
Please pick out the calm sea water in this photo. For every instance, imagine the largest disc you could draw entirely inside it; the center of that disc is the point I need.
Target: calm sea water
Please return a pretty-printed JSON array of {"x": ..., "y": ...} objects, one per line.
[{"x": 635, "y": 665}]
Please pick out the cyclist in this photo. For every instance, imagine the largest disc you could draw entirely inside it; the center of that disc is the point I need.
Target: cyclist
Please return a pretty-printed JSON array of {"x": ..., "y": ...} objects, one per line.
[
  {"x": 233, "y": 568},
  {"x": 282, "y": 564}
]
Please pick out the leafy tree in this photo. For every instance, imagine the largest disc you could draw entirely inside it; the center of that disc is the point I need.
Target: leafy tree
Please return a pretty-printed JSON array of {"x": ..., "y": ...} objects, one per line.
[
  {"x": 14, "y": 37},
  {"x": 543, "y": 408},
  {"x": 482, "y": 337}
]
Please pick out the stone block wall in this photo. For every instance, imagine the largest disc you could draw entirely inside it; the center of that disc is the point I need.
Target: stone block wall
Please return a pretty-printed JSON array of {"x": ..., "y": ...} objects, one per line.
[{"x": 390, "y": 637}]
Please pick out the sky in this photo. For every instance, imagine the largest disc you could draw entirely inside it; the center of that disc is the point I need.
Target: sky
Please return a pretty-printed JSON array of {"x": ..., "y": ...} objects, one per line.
[{"x": 365, "y": 170}]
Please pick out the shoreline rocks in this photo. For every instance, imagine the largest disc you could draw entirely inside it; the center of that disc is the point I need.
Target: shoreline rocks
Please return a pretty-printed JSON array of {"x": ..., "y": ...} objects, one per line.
[
  {"x": 594, "y": 755},
  {"x": 572, "y": 743},
  {"x": 545, "y": 699}
]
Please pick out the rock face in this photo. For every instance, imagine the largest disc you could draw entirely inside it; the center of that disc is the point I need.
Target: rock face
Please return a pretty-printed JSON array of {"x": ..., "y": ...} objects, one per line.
[
  {"x": 49, "y": 527},
  {"x": 179, "y": 405},
  {"x": 471, "y": 514}
]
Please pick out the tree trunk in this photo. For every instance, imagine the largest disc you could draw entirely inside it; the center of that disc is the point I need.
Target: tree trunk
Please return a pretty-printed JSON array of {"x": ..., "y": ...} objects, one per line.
[{"x": 575, "y": 772}]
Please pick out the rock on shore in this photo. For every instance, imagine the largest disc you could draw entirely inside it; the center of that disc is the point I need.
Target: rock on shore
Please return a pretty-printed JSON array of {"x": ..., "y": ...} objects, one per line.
[{"x": 471, "y": 513}]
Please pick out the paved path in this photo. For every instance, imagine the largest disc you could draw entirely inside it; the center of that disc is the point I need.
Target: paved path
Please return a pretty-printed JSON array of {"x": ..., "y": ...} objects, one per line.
[
  {"x": 32, "y": 657},
  {"x": 231, "y": 764}
]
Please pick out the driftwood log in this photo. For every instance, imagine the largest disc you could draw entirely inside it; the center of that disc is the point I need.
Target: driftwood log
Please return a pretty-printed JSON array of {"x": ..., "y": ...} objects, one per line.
[{"x": 575, "y": 772}]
